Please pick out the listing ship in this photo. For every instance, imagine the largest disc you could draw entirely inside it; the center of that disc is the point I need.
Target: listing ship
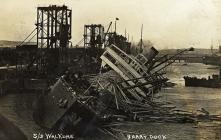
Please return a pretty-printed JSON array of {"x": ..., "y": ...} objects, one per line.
[
  {"x": 73, "y": 100},
  {"x": 210, "y": 82},
  {"x": 124, "y": 93},
  {"x": 93, "y": 87}
]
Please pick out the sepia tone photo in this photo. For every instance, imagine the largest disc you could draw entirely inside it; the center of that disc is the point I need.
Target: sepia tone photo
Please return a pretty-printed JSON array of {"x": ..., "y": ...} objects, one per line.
[{"x": 110, "y": 69}]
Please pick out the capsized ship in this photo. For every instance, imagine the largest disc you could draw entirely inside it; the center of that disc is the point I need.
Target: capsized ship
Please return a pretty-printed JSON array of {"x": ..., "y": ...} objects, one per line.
[
  {"x": 83, "y": 103},
  {"x": 74, "y": 101}
]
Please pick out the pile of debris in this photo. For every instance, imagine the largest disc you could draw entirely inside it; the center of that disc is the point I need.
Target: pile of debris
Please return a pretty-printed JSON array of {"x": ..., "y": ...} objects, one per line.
[{"x": 123, "y": 94}]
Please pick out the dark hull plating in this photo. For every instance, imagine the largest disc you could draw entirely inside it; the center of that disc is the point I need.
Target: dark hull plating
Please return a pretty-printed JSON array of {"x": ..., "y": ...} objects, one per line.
[{"x": 196, "y": 82}]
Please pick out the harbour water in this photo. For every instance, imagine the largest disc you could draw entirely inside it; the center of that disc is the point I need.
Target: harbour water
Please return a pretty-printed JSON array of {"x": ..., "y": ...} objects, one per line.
[{"x": 18, "y": 108}]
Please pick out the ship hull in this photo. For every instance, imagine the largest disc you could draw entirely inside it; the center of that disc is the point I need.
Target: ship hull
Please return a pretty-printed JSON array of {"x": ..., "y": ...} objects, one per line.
[{"x": 196, "y": 82}]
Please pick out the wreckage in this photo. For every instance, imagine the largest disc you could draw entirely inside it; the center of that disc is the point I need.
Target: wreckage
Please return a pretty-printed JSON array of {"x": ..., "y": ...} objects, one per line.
[
  {"x": 94, "y": 87},
  {"x": 103, "y": 84},
  {"x": 124, "y": 93}
]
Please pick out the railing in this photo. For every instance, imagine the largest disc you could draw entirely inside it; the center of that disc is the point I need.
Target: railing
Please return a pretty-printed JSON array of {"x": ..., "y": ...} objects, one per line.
[{"x": 134, "y": 63}]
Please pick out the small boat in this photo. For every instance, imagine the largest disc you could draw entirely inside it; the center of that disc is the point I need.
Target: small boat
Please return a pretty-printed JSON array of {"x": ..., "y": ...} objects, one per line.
[{"x": 210, "y": 82}]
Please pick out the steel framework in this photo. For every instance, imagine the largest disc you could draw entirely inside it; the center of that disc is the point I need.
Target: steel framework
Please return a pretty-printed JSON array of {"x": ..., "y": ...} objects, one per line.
[
  {"x": 93, "y": 35},
  {"x": 53, "y": 34}
]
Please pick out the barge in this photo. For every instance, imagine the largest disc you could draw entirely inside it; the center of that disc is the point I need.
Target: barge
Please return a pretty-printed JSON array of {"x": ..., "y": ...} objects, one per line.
[{"x": 213, "y": 81}]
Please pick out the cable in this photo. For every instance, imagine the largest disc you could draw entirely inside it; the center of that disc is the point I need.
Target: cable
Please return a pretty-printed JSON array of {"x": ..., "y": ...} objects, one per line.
[
  {"x": 80, "y": 41},
  {"x": 27, "y": 37},
  {"x": 31, "y": 38}
]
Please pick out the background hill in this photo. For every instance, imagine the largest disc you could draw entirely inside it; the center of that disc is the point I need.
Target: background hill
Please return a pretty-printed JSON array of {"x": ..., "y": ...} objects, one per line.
[{"x": 7, "y": 43}]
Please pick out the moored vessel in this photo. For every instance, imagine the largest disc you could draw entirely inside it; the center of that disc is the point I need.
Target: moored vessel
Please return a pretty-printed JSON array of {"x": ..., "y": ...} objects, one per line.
[{"x": 213, "y": 81}]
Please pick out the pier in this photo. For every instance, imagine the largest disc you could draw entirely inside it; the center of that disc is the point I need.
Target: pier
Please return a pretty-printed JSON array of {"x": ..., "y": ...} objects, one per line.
[{"x": 189, "y": 58}]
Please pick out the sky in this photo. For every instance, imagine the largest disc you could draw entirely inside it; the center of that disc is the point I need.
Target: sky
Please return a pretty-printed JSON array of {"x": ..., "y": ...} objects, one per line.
[{"x": 166, "y": 23}]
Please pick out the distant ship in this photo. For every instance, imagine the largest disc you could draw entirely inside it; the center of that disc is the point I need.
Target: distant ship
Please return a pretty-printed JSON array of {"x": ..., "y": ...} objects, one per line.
[
  {"x": 214, "y": 59},
  {"x": 210, "y": 82}
]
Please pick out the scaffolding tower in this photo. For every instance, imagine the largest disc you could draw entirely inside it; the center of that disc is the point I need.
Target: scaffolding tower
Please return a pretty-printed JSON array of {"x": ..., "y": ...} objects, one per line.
[
  {"x": 53, "y": 35},
  {"x": 93, "y": 35}
]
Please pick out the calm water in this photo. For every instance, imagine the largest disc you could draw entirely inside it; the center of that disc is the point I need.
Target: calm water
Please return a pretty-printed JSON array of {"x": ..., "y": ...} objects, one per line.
[{"x": 18, "y": 108}]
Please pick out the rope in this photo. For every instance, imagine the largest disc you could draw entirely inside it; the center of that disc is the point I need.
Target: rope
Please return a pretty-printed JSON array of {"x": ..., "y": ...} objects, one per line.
[
  {"x": 31, "y": 37},
  {"x": 80, "y": 41},
  {"x": 27, "y": 37}
]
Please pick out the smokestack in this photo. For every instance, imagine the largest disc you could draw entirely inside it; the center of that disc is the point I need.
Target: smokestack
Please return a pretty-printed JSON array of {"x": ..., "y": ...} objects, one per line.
[{"x": 151, "y": 54}]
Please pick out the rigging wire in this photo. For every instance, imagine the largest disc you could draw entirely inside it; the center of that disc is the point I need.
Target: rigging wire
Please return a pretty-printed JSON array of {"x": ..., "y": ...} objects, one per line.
[
  {"x": 27, "y": 37},
  {"x": 80, "y": 41}
]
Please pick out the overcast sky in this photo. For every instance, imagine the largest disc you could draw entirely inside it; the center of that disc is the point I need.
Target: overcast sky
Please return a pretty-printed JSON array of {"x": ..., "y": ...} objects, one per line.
[{"x": 167, "y": 23}]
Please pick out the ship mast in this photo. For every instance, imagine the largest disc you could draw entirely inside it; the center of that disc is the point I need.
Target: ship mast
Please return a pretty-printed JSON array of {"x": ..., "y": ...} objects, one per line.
[{"x": 141, "y": 39}]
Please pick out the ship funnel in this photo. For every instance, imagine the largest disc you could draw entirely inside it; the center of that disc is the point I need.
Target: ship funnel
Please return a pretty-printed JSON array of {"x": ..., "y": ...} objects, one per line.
[
  {"x": 191, "y": 49},
  {"x": 150, "y": 55}
]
